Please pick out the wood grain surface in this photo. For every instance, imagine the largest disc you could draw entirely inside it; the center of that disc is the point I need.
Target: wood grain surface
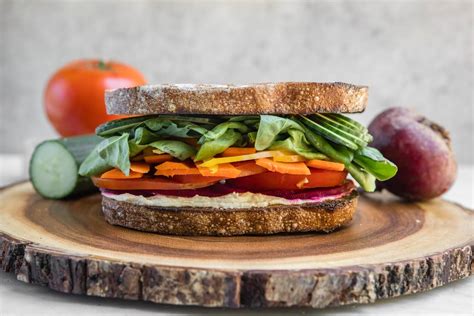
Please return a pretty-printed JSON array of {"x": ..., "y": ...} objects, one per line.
[{"x": 391, "y": 248}]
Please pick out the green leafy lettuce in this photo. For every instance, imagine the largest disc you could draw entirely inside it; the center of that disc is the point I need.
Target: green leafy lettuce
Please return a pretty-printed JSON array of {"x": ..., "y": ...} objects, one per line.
[
  {"x": 271, "y": 127},
  {"x": 322, "y": 136}
]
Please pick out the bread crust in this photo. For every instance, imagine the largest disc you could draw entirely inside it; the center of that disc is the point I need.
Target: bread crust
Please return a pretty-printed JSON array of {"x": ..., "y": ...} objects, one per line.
[
  {"x": 324, "y": 216},
  {"x": 261, "y": 98}
]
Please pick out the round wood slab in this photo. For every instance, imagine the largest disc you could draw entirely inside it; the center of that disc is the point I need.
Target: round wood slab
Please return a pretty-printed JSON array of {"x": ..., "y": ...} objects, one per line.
[{"x": 391, "y": 248}]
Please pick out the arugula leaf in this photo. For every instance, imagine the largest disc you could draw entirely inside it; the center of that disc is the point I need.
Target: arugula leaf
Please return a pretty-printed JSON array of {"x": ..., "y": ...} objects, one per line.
[
  {"x": 298, "y": 143},
  {"x": 115, "y": 152},
  {"x": 375, "y": 163},
  {"x": 199, "y": 119},
  {"x": 162, "y": 125},
  {"x": 270, "y": 127},
  {"x": 175, "y": 148},
  {"x": 249, "y": 120},
  {"x": 120, "y": 126},
  {"x": 241, "y": 118},
  {"x": 211, "y": 148}
]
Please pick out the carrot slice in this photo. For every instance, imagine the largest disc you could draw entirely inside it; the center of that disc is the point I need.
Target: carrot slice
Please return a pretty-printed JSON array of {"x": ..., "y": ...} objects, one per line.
[
  {"x": 326, "y": 165},
  {"x": 117, "y": 174},
  {"x": 238, "y": 151},
  {"x": 284, "y": 167},
  {"x": 140, "y": 167},
  {"x": 174, "y": 168},
  {"x": 158, "y": 158},
  {"x": 248, "y": 168},
  {"x": 225, "y": 170},
  {"x": 173, "y": 165}
]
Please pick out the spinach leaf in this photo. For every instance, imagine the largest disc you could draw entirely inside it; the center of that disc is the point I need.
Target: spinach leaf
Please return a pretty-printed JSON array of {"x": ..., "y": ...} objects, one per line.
[
  {"x": 375, "y": 163},
  {"x": 365, "y": 179},
  {"x": 111, "y": 152},
  {"x": 297, "y": 143},
  {"x": 343, "y": 151},
  {"x": 176, "y": 129},
  {"x": 135, "y": 148},
  {"x": 221, "y": 129},
  {"x": 175, "y": 148},
  {"x": 144, "y": 136},
  {"x": 211, "y": 148},
  {"x": 93, "y": 164},
  {"x": 115, "y": 152}
]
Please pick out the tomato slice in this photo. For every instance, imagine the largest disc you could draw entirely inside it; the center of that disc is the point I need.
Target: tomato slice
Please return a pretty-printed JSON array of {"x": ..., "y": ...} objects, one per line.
[
  {"x": 254, "y": 178},
  {"x": 154, "y": 183},
  {"x": 280, "y": 181},
  {"x": 195, "y": 178}
]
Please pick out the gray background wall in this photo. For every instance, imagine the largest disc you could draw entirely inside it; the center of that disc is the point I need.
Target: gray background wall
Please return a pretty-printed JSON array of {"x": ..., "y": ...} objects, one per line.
[{"x": 417, "y": 54}]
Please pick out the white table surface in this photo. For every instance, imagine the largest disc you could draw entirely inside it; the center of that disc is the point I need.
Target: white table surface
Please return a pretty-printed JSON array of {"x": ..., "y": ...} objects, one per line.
[{"x": 17, "y": 298}]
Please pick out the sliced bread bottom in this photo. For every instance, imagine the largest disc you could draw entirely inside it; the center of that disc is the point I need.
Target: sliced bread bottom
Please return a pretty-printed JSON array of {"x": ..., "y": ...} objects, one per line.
[{"x": 324, "y": 216}]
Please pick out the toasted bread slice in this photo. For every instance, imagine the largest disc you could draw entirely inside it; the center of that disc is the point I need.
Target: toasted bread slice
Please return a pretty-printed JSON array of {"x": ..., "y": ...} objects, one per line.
[
  {"x": 261, "y": 98},
  {"x": 325, "y": 216}
]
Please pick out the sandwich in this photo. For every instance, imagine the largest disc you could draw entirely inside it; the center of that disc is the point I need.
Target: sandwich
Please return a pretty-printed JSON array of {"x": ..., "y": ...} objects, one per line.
[{"x": 223, "y": 160}]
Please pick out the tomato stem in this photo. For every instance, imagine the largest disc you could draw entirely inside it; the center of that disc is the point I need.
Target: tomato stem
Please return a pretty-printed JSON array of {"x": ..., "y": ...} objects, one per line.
[{"x": 102, "y": 65}]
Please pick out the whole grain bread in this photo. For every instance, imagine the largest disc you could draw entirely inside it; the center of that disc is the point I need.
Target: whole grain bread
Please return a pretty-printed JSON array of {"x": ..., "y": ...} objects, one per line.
[
  {"x": 260, "y": 98},
  {"x": 324, "y": 216}
]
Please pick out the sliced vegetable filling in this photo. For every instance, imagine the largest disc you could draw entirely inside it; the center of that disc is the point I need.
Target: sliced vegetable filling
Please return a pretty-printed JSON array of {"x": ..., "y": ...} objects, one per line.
[{"x": 163, "y": 152}]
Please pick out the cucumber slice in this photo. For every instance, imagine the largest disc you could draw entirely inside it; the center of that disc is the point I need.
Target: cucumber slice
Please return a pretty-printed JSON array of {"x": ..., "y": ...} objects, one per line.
[
  {"x": 342, "y": 126},
  {"x": 341, "y": 120},
  {"x": 54, "y": 167},
  {"x": 355, "y": 138},
  {"x": 348, "y": 121},
  {"x": 331, "y": 135}
]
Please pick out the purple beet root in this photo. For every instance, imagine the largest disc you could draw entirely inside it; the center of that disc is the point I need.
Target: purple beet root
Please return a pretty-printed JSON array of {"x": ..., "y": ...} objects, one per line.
[{"x": 420, "y": 148}]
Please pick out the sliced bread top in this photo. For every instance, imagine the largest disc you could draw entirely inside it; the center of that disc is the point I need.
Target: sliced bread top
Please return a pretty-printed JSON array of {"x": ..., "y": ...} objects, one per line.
[{"x": 260, "y": 98}]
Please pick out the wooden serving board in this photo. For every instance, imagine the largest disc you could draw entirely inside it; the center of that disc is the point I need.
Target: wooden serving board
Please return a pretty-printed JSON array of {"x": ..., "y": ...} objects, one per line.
[{"x": 391, "y": 248}]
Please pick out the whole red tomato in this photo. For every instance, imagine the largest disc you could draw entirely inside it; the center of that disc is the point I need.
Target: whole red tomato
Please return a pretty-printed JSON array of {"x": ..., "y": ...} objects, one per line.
[{"x": 74, "y": 96}]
